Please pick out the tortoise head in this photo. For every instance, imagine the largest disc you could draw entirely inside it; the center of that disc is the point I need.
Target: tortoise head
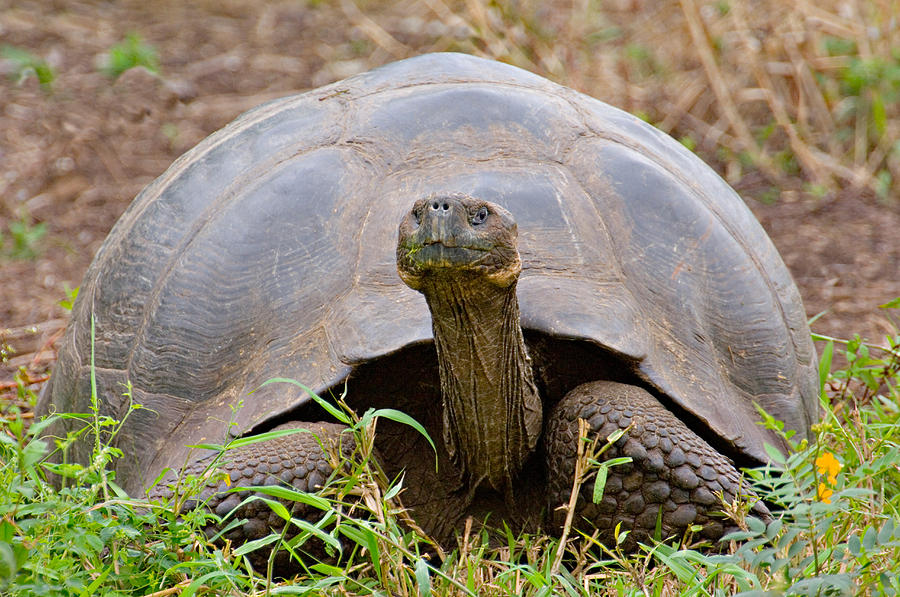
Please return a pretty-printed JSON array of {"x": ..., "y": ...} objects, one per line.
[{"x": 457, "y": 235}]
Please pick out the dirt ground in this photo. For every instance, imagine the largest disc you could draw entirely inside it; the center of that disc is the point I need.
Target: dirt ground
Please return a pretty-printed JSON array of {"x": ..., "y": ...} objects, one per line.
[{"x": 74, "y": 155}]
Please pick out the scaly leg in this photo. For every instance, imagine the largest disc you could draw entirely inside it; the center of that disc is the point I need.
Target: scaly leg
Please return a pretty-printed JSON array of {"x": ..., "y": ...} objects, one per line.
[{"x": 674, "y": 474}]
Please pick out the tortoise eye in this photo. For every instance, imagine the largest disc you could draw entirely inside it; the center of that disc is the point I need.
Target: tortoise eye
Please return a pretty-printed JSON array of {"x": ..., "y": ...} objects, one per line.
[{"x": 480, "y": 216}]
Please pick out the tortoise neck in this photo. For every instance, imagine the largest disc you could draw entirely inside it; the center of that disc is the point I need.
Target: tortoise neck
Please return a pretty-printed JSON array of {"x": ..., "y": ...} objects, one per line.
[{"x": 491, "y": 408}]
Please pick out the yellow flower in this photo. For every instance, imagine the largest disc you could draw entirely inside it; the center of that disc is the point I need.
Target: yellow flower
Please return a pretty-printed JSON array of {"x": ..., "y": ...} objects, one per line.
[
  {"x": 825, "y": 493},
  {"x": 828, "y": 465}
]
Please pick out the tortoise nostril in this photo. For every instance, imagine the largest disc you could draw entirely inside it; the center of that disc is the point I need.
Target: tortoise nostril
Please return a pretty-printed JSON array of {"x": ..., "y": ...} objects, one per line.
[{"x": 438, "y": 205}]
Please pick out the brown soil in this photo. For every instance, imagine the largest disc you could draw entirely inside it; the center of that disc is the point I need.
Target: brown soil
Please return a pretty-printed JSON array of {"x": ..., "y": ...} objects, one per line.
[{"x": 75, "y": 155}]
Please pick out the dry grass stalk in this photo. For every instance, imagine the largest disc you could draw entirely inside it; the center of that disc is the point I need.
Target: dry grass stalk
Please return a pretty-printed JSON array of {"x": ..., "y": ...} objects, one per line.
[
  {"x": 374, "y": 31},
  {"x": 586, "y": 451},
  {"x": 776, "y": 76},
  {"x": 720, "y": 87}
]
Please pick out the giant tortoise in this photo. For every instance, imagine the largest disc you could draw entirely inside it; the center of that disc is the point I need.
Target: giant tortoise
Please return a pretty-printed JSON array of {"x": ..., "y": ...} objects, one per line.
[{"x": 557, "y": 259}]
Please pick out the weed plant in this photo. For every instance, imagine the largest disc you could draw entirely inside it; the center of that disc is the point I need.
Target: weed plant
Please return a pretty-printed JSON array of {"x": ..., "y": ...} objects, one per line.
[
  {"x": 22, "y": 238},
  {"x": 130, "y": 53},
  {"x": 835, "y": 532},
  {"x": 27, "y": 65}
]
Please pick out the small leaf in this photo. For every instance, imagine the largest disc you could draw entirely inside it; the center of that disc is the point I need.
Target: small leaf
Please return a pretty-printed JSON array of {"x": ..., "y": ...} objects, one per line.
[
  {"x": 327, "y": 570},
  {"x": 756, "y": 525},
  {"x": 600, "y": 484},
  {"x": 423, "y": 577},
  {"x": 131, "y": 52},
  {"x": 87, "y": 543},
  {"x": 200, "y": 582},
  {"x": 894, "y": 304},
  {"x": 277, "y": 507},
  {"x": 884, "y": 535},
  {"x": 739, "y": 536},
  {"x": 250, "y": 546},
  {"x": 316, "y": 531},
  {"x": 330, "y": 408},
  {"x": 789, "y": 535},
  {"x": 868, "y": 539},
  {"x": 611, "y": 462},
  {"x": 796, "y": 548},
  {"x": 290, "y": 494},
  {"x": 37, "y": 427},
  {"x": 405, "y": 419},
  {"x": 879, "y": 113},
  {"x": 827, "y": 584},
  {"x": 683, "y": 571},
  {"x": 264, "y": 437},
  {"x": 774, "y": 454},
  {"x": 825, "y": 366},
  {"x": 774, "y": 528},
  {"x": 367, "y": 539},
  {"x": 619, "y": 534},
  {"x": 91, "y": 589},
  {"x": 854, "y": 545},
  {"x": 27, "y": 64},
  {"x": 615, "y": 436},
  {"x": 8, "y": 565},
  {"x": 7, "y": 531},
  {"x": 71, "y": 295},
  {"x": 213, "y": 447},
  {"x": 394, "y": 490}
]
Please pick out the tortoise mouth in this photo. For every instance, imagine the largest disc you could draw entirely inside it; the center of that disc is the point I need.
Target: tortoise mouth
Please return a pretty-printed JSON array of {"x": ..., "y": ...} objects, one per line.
[
  {"x": 438, "y": 254},
  {"x": 436, "y": 261}
]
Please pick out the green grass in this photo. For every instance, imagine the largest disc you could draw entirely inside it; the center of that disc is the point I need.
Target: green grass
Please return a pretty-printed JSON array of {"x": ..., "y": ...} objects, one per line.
[
  {"x": 22, "y": 238},
  {"x": 836, "y": 530},
  {"x": 130, "y": 53},
  {"x": 27, "y": 65}
]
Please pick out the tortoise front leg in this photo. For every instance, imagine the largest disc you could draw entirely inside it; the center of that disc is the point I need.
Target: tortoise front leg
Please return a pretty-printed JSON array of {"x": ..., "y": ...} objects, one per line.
[
  {"x": 296, "y": 460},
  {"x": 674, "y": 474}
]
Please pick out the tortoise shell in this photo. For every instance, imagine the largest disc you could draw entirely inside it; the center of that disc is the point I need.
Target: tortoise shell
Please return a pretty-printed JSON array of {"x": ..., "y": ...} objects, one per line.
[{"x": 269, "y": 251}]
